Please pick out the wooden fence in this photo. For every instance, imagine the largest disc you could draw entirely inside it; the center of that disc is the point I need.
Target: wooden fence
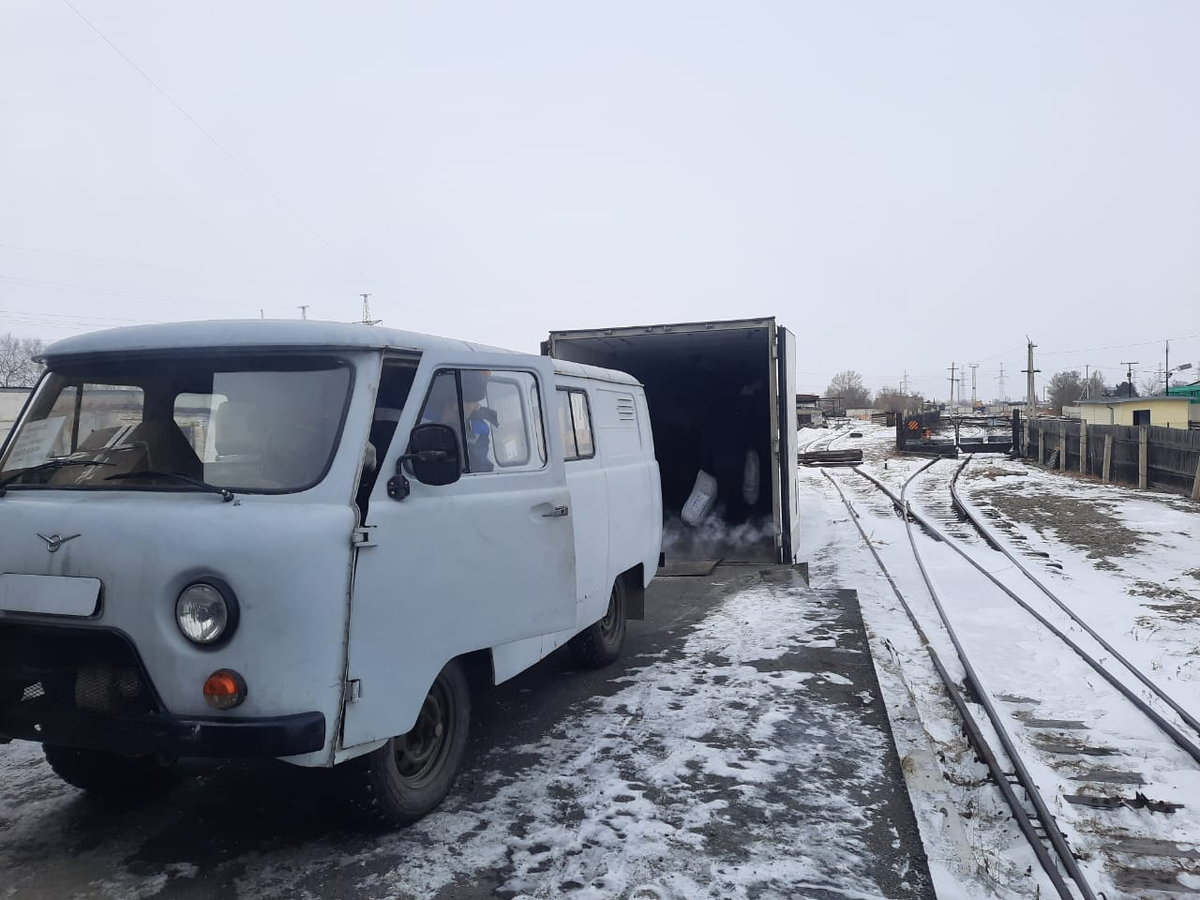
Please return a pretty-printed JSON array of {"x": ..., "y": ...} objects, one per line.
[{"x": 1146, "y": 456}]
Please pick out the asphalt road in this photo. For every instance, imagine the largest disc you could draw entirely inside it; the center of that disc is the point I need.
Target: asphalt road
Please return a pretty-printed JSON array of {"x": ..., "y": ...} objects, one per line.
[{"x": 236, "y": 829}]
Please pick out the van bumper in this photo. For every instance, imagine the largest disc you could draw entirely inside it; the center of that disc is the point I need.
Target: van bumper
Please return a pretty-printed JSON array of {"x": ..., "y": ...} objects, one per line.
[{"x": 168, "y": 735}]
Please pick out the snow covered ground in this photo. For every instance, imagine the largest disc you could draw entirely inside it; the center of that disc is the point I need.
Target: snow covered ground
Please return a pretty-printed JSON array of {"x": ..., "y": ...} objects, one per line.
[
  {"x": 737, "y": 759},
  {"x": 748, "y": 759},
  {"x": 1128, "y": 559}
]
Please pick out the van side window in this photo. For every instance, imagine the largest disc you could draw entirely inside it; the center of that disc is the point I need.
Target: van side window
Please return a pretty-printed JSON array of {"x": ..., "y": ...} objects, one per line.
[
  {"x": 582, "y": 415},
  {"x": 497, "y": 414},
  {"x": 512, "y": 406},
  {"x": 565, "y": 425},
  {"x": 575, "y": 423}
]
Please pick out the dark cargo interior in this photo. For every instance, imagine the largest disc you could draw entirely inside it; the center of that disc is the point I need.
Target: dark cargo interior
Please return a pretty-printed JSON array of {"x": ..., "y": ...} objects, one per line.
[{"x": 709, "y": 398}]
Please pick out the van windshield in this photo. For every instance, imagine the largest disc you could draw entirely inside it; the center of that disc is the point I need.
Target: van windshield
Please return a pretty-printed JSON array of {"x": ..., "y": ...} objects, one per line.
[{"x": 245, "y": 423}]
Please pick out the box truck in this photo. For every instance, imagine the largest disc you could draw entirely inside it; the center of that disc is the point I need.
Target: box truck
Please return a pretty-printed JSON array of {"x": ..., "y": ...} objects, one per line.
[{"x": 722, "y": 408}]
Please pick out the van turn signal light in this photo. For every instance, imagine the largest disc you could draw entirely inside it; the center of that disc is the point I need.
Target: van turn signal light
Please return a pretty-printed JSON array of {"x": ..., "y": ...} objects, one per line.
[{"x": 224, "y": 689}]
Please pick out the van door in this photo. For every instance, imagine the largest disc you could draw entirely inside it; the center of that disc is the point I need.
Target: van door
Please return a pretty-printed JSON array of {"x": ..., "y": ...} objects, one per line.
[{"x": 467, "y": 566}]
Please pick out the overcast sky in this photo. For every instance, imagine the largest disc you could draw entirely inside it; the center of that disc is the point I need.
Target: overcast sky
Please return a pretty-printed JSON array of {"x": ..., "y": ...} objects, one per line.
[{"x": 905, "y": 185}]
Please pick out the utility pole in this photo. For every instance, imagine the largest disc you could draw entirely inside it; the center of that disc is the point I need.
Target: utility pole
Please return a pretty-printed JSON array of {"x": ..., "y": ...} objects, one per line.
[
  {"x": 1030, "y": 390},
  {"x": 366, "y": 312},
  {"x": 1003, "y": 395},
  {"x": 1167, "y": 370},
  {"x": 904, "y": 383},
  {"x": 1129, "y": 374},
  {"x": 1087, "y": 382},
  {"x": 303, "y": 311},
  {"x": 952, "y": 368},
  {"x": 974, "y": 366}
]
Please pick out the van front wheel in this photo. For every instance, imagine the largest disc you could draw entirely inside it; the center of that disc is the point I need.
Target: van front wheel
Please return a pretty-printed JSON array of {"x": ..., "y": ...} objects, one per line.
[
  {"x": 110, "y": 774},
  {"x": 410, "y": 775},
  {"x": 600, "y": 644}
]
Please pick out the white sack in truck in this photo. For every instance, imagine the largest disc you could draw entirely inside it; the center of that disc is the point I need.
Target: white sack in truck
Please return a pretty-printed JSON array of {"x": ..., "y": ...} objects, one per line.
[
  {"x": 700, "y": 503},
  {"x": 751, "y": 478}
]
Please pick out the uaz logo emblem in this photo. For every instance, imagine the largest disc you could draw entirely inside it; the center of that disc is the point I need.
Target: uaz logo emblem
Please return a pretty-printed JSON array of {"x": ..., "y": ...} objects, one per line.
[{"x": 54, "y": 541}]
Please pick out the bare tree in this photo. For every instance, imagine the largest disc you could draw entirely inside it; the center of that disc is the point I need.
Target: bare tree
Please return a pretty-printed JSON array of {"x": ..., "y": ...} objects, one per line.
[
  {"x": 17, "y": 367},
  {"x": 1094, "y": 387},
  {"x": 849, "y": 386},
  {"x": 1066, "y": 388},
  {"x": 1150, "y": 383}
]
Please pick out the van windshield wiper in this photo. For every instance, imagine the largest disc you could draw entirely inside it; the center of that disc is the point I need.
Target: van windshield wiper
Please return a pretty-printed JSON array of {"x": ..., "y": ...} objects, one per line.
[
  {"x": 225, "y": 493},
  {"x": 49, "y": 464}
]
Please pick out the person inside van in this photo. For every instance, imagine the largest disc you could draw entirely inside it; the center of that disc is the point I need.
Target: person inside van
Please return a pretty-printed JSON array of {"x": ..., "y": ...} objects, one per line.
[{"x": 442, "y": 408}]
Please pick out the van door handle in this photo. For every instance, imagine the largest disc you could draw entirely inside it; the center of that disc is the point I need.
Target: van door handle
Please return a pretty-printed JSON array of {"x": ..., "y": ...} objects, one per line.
[{"x": 556, "y": 513}]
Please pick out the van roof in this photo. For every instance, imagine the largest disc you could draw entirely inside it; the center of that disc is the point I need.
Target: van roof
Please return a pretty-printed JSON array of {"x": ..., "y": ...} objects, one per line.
[
  {"x": 579, "y": 370},
  {"x": 284, "y": 334},
  {"x": 252, "y": 334}
]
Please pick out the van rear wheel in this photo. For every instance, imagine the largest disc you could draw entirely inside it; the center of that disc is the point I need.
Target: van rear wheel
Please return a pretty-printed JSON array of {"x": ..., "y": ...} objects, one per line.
[
  {"x": 410, "y": 775},
  {"x": 600, "y": 644},
  {"x": 110, "y": 774}
]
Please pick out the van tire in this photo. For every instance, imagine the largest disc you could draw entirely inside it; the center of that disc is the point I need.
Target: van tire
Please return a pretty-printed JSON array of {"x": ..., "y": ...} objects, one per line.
[
  {"x": 110, "y": 774},
  {"x": 600, "y": 643},
  {"x": 377, "y": 784}
]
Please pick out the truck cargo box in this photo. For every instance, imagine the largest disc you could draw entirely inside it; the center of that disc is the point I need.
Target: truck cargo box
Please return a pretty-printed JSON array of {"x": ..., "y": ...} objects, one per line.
[{"x": 720, "y": 394}]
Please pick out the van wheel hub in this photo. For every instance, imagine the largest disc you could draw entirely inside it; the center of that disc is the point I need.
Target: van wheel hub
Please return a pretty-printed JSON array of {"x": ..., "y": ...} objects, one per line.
[
  {"x": 611, "y": 620},
  {"x": 421, "y": 752}
]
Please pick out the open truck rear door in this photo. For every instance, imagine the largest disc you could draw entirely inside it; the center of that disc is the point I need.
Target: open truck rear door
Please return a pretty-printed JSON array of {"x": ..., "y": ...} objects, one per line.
[{"x": 789, "y": 489}]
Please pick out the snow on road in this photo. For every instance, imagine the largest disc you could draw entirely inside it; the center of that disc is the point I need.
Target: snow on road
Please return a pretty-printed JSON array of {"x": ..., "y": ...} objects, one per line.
[
  {"x": 721, "y": 768},
  {"x": 679, "y": 785}
]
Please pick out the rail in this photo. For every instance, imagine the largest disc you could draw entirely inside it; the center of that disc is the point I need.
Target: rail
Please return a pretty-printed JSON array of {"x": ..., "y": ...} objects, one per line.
[
  {"x": 1163, "y": 725},
  {"x": 998, "y": 544},
  {"x": 971, "y": 727}
]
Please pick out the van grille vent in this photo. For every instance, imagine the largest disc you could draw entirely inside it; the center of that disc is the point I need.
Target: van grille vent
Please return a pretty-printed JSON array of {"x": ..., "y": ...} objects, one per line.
[
  {"x": 625, "y": 410},
  {"x": 82, "y": 669}
]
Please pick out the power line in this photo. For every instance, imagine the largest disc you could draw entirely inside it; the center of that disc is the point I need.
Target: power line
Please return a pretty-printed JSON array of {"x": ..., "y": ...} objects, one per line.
[
  {"x": 168, "y": 269},
  {"x": 204, "y": 131},
  {"x": 1186, "y": 337},
  {"x": 71, "y": 286},
  {"x": 67, "y": 317}
]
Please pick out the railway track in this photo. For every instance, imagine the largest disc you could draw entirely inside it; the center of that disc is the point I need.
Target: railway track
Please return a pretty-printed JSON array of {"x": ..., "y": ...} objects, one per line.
[
  {"x": 825, "y": 441},
  {"x": 820, "y": 452},
  {"x": 1091, "y": 755}
]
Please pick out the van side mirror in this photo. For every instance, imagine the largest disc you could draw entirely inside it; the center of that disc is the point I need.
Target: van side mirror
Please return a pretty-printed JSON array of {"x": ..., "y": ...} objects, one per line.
[{"x": 433, "y": 453}]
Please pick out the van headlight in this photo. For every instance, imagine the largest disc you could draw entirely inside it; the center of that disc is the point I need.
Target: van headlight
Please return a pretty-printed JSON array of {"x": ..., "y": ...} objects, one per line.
[{"x": 207, "y": 612}]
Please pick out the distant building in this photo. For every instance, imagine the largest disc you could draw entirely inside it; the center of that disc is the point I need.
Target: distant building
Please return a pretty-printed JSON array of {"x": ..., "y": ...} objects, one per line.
[
  {"x": 1191, "y": 391},
  {"x": 808, "y": 411},
  {"x": 1165, "y": 412},
  {"x": 12, "y": 401}
]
